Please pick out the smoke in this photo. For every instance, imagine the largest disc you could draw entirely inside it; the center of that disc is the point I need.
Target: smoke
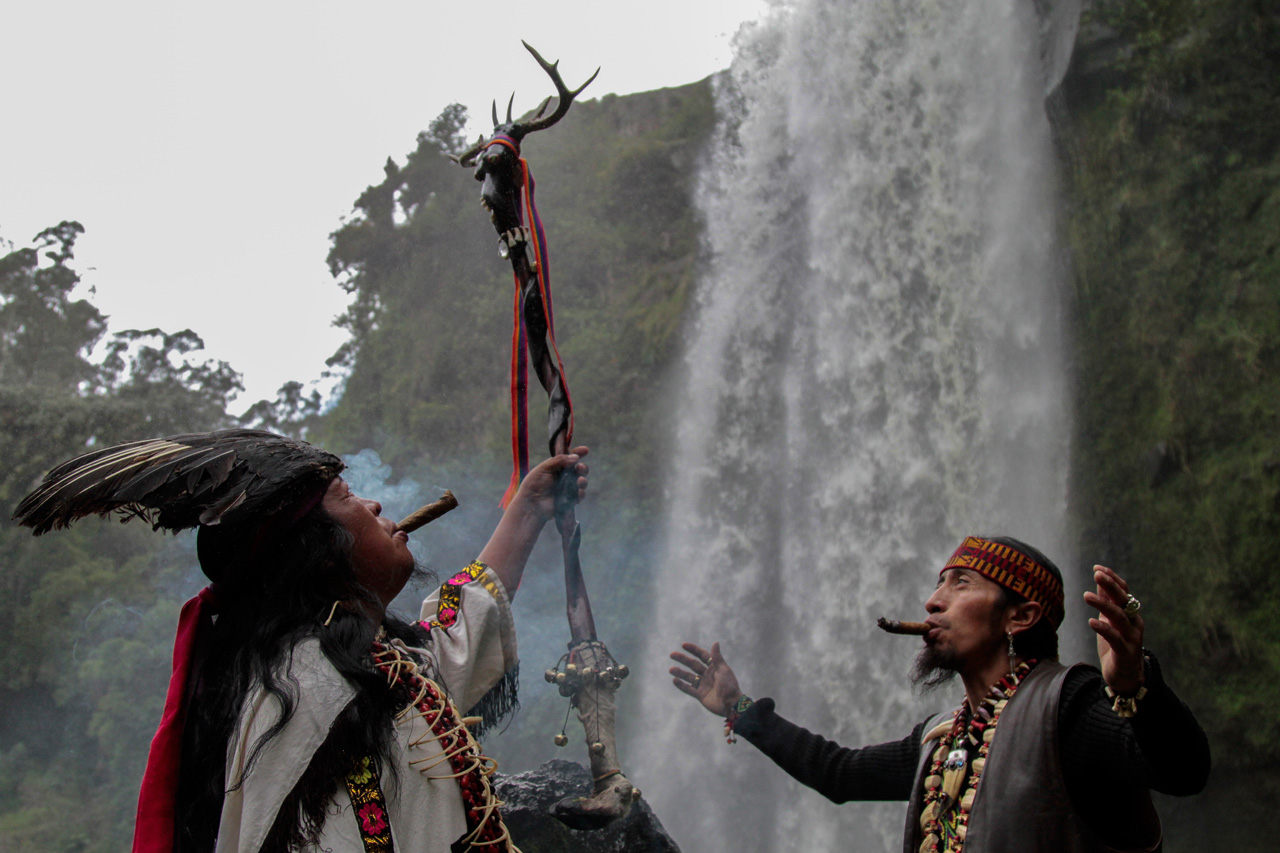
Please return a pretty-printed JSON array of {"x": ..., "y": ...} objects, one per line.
[{"x": 447, "y": 544}]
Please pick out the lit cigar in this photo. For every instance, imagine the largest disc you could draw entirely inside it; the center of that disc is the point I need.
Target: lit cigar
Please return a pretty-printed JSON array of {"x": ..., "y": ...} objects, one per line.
[
  {"x": 893, "y": 626},
  {"x": 428, "y": 513}
]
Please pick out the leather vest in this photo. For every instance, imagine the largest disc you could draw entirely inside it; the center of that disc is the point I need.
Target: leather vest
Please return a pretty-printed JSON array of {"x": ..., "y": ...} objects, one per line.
[{"x": 1022, "y": 804}]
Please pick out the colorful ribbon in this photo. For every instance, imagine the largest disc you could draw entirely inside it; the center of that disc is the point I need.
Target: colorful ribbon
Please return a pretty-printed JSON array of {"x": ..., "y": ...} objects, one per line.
[{"x": 527, "y": 211}]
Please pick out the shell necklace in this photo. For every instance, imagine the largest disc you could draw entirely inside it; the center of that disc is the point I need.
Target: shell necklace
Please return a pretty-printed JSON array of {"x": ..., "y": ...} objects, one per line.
[{"x": 944, "y": 825}]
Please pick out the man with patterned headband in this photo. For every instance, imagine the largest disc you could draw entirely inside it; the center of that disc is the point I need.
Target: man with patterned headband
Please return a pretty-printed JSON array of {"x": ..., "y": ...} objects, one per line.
[
  {"x": 301, "y": 715},
  {"x": 1038, "y": 756}
]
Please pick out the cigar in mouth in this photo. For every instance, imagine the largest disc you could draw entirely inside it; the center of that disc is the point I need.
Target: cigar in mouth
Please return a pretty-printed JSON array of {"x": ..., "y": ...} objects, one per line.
[
  {"x": 893, "y": 626},
  {"x": 428, "y": 513}
]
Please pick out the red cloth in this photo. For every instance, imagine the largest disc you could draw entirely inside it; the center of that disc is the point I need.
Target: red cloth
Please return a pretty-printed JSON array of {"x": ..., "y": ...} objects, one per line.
[{"x": 154, "y": 830}]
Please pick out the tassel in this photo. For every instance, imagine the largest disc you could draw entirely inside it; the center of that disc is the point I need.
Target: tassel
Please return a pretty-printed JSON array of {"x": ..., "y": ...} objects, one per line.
[{"x": 501, "y": 700}]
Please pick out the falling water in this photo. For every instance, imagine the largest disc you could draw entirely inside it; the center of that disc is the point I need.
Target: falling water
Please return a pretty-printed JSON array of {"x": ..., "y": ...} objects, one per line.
[{"x": 877, "y": 369}]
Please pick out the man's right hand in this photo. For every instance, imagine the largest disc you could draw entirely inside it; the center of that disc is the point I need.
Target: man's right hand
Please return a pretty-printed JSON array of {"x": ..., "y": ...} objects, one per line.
[{"x": 706, "y": 677}]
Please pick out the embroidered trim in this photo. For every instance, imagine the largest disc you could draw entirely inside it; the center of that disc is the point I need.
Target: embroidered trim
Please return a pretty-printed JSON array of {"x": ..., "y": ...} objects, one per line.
[
  {"x": 1013, "y": 570},
  {"x": 451, "y": 597},
  {"x": 504, "y": 697},
  {"x": 369, "y": 806}
]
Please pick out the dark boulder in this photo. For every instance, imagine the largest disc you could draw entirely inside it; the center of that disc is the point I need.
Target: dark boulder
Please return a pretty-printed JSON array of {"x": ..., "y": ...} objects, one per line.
[{"x": 528, "y": 798}]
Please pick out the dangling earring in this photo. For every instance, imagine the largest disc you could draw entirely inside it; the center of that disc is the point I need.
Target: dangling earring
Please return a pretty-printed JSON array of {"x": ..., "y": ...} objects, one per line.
[
  {"x": 1012, "y": 665},
  {"x": 334, "y": 609}
]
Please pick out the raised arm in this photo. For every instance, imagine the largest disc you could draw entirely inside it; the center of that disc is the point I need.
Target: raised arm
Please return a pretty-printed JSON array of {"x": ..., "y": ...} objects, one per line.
[{"x": 533, "y": 505}]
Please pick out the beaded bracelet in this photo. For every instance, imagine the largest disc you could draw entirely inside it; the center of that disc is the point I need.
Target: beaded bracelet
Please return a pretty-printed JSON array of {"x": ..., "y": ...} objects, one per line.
[
  {"x": 1125, "y": 706},
  {"x": 744, "y": 702}
]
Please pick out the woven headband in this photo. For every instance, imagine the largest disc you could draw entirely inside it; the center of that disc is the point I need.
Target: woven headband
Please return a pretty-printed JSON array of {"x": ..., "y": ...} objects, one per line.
[{"x": 1013, "y": 570}]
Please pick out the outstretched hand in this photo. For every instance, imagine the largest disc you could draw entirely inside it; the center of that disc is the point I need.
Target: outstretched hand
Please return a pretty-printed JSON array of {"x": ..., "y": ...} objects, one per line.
[
  {"x": 1119, "y": 633},
  {"x": 706, "y": 677}
]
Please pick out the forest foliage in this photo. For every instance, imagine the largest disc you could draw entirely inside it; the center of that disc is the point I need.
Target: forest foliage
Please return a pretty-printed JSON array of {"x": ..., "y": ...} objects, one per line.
[
  {"x": 87, "y": 614},
  {"x": 81, "y": 676},
  {"x": 1173, "y": 180},
  {"x": 1174, "y": 186}
]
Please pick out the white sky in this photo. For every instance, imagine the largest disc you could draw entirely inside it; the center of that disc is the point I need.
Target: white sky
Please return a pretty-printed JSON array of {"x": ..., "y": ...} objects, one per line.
[{"x": 210, "y": 150}]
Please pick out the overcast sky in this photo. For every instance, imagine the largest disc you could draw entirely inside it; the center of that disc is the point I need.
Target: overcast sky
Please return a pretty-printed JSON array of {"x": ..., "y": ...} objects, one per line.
[{"x": 210, "y": 150}]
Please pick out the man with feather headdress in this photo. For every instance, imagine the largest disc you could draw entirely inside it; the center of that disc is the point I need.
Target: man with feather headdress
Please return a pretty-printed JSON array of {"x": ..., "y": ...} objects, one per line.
[{"x": 301, "y": 715}]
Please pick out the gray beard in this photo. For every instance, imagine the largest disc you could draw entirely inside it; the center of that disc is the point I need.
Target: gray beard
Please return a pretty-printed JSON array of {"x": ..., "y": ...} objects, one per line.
[{"x": 932, "y": 669}]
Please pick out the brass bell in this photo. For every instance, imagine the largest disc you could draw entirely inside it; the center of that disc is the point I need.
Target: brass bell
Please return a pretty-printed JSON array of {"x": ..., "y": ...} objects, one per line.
[
  {"x": 559, "y": 678},
  {"x": 623, "y": 671},
  {"x": 571, "y": 668},
  {"x": 562, "y": 739},
  {"x": 597, "y": 748},
  {"x": 550, "y": 676},
  {"x": 635, "y": 793}
]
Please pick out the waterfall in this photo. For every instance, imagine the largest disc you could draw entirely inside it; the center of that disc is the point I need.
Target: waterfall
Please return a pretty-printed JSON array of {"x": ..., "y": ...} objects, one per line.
[{"x": 875, "y": 370}]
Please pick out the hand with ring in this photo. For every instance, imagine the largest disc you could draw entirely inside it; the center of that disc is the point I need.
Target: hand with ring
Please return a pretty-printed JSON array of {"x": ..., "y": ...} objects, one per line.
[
  {"x": 1119, "y": 628},
  {"x": 706, "y": 677}
]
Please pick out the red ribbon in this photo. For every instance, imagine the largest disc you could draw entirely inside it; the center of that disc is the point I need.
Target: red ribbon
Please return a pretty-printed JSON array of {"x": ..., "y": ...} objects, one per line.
[
  {"x": 528, "y": 212},
  {"x": 154, "y": 830}
]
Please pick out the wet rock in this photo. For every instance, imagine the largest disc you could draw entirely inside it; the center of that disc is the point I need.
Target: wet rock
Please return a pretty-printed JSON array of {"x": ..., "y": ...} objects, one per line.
[{"x": 528, "y": 798}]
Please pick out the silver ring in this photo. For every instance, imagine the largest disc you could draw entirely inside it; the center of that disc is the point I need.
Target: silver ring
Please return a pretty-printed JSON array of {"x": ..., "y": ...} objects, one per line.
[{"x": 1131, "y": 607}]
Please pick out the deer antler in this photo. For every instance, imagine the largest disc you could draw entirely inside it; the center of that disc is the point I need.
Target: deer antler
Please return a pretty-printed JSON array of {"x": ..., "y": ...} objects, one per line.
[{"x": 519, "y": 130}]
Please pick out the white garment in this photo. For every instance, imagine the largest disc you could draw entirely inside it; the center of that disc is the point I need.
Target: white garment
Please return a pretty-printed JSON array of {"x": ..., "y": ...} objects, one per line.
[{"x": 426, "y": 814}]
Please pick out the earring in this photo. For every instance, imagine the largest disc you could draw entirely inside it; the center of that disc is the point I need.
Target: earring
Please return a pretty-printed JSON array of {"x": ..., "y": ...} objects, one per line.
[
  {"x": 1012, "y": 655},
  {"x": 334, "y": 609}
]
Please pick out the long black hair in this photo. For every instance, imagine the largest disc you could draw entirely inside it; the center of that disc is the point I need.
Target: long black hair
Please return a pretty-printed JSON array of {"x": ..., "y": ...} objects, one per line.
[{"x": 266, "y": 607}]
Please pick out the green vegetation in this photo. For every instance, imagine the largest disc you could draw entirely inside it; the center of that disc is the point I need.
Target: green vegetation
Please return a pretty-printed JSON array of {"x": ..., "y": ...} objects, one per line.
[
  {"x": 1173, "y": 182},
  {"x": 82, "y": 677},
  {"x": 1175, "y": 226},
  {"x": 87, "y": 615}
]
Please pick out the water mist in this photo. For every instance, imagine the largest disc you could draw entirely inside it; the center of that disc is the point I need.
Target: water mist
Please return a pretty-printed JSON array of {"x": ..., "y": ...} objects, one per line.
[{"x": 876, "y": 369}]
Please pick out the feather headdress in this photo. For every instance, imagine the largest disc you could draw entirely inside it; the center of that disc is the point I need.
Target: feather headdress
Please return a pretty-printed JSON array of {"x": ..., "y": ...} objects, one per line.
[{"x": 200, "y": 479}]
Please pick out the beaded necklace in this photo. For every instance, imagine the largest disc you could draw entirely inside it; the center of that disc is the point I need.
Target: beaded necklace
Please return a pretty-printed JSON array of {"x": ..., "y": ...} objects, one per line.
[
  {"x": 944, "y": 825},
  {"x": 486, "y": 831}
]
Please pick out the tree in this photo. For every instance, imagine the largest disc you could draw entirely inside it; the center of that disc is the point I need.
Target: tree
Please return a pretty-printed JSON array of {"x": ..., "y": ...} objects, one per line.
[{"x": 86, "y": 614}]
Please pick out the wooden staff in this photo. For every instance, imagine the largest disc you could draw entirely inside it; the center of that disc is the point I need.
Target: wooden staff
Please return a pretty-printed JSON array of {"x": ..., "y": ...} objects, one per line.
[{"x": 507, "y": 193}]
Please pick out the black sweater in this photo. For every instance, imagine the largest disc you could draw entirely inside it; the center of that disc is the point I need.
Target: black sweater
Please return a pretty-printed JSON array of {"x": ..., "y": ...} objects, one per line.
[{"x": 1105, "y": 757}]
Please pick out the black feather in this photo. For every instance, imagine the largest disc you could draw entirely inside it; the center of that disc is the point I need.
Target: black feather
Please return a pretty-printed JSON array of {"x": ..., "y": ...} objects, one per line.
[{"x": 181, "y": 481}]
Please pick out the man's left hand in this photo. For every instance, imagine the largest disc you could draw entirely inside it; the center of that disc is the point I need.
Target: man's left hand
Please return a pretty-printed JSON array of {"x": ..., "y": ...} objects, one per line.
[{"x": 1119, "y": 632}]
